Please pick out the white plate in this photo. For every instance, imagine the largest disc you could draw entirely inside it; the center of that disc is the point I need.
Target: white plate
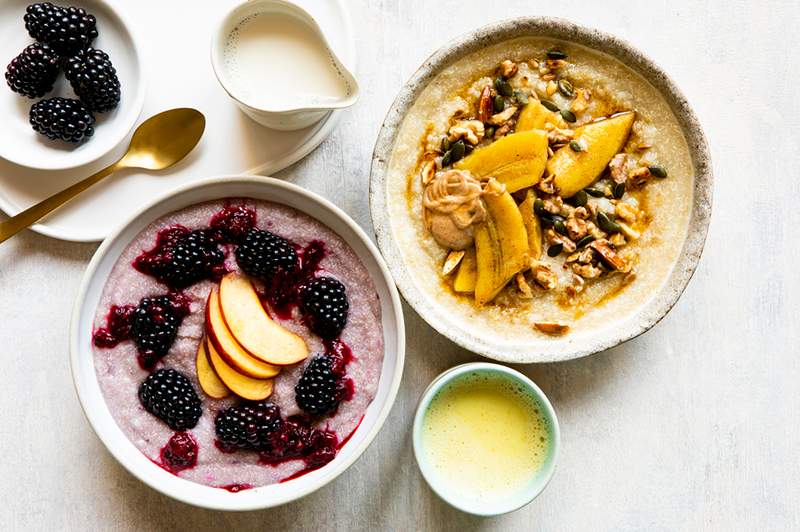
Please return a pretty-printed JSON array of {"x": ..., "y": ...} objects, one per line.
[
  {"x": 178, "y": 66},
  {"x": 19, "y": 143},
  {"x": 82, "y": 359}
]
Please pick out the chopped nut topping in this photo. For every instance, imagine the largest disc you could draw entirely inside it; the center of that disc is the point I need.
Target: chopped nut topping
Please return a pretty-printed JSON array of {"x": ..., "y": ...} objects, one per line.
[
  {"x": 608, "y": 254},
  {"x": 618, "y": 168},
  {"x": 617, "y": 240},
  {"x": 504, "y": 130},
  {"x": 523, "y": 286},
  {"x": 508, "y": 68},
  {"x": 626, "y": 211},
  {"x": 485, "y": 105},
  {"x": 559, "y": 136},
  {"x": 576, "y": 287},
  {"x": 470, "y": 130},
  {"x": 501, "y": 118},
  {"x": 639, "y": 177},
  {"x": 544, "y": 276},
  {"x": 576, "y": 228},
  {"x": 548, "y": 77},
  {"x": 551, "y": 327},
  {"x": 452, "y": 261},
  {"x": 547, "y": 185},
  {"x": 554, "y": 238},
  {"x": 582, "y": 213},
  {"x": 584, "y": 256},
  {"x": 581, "y": 101},
  {"x": 428, "y": 171},
  {"x": 587, "y": 271}
]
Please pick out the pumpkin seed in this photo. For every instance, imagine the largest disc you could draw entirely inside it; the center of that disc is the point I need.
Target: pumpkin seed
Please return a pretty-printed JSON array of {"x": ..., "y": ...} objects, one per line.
[
  {"x": 489, "y": 132},
  {"x": 585, "y": 241},
  {"x": 445, "y": 144},
  {"x": 560, "y": 226},
  {"x": 618, "y": 191},
  {"x": 447, "y": 159},
  {"x": 538, "y": 207},
  {"x": 521, "y": 97},
  {"x": 499, "y": 103},
  {"x": 575, "y": 146},
  {"x": 607, "y": 224},
  {"x": 550, "y": 106},
  {"x": 568, "y": 115},
  {"x": 555, "y": 53},
  {"x": 457, "y": 151},
  {"x": 566, "y": 88},
  {"x": 468, "y": 148},
  {"x": 503, "y": 87},
  {"x": 595, "y": 192},
  {"x": 555, "y": 250},
  {"x": 658, "y": 171},
  {"x": 580, "y": 198}
]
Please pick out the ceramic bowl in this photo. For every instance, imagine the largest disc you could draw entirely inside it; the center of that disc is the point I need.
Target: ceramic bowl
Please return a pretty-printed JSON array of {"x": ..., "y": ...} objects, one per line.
[
  {"x": 280, "y": 115},
  {"x": 539, "y": 479},
  {"x": 568, "y": 346},
  {"x": 88, "y": 388},
  {"x": 19, "y": 143}
]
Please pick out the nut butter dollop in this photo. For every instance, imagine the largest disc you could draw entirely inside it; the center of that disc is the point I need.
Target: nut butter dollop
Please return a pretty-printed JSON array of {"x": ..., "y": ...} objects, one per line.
[{"x": 452, "y": 205}]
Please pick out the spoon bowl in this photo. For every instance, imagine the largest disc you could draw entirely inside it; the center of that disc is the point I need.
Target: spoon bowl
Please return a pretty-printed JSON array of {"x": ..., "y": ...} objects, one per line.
[{"x": 164, "y": 139}]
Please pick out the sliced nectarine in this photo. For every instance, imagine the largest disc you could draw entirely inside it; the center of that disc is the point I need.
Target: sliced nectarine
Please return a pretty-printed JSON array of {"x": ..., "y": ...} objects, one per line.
[
  {"x": 252, "y": 327},
  {"x": 209, "y": 381},
  {"x": 227, "y": 346},
  {"x": 242, "y": 385}
]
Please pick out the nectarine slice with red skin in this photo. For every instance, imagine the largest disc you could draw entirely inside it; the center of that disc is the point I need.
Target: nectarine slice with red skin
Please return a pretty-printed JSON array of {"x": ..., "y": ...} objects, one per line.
[
  {"x": 252, "y": 327},
  {"x": 207, "y": 376},
  {"x": 227, "y": 346},
  {"x": 242, "y": 385}
]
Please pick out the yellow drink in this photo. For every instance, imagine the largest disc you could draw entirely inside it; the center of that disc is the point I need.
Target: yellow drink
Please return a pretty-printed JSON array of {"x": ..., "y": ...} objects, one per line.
[{"x": 485, "y": 437}]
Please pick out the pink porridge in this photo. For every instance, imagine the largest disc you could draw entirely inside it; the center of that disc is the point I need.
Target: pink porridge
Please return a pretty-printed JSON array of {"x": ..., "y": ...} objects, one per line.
[{"x": 152, "y": 317}]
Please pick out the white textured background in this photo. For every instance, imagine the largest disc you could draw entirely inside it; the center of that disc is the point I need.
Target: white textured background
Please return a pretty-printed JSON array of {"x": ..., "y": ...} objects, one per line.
[{"x": 693, "y": 426}]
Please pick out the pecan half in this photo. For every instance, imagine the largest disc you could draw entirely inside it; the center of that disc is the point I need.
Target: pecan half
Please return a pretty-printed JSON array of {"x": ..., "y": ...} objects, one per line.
[
  {"x": 552, "y": 327},
  {"x": 608, "y": 254},
  {"x": 485, "y": 105}
]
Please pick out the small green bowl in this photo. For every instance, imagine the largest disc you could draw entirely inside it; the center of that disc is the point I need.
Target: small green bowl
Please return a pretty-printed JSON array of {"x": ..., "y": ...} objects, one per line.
[{"x": 539, "y": 479}]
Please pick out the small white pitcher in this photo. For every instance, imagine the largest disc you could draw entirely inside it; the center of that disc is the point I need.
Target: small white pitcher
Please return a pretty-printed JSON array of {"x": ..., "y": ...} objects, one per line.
[{"x": 278, "y": 115}]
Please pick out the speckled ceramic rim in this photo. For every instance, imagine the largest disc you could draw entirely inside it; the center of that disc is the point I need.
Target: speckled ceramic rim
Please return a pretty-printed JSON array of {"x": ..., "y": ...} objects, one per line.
[
  {"x": 82, "y": 361},
  {"x": 540, "y": 479},
  {"x": 569, "y": 346}
]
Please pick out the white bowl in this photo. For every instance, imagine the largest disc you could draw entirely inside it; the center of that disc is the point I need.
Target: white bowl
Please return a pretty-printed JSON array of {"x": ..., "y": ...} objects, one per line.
[
  {"x": 539, "y": 479},
  {"x": 280, "y": 115},
  {"x": 19, "y": 143},
  {"x": 82, "y": 359}
]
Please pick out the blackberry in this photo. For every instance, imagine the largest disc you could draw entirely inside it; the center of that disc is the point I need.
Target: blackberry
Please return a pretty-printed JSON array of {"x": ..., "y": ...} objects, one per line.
[
  {"x": 34, "y": 71},
  {"x": 247, "y": 426},
  {"x": 182, "y": 257},
  {"x": 154, "y": 326},
  {"x": 316, "y": 391},
  {"x": 94, "y": 79},
  {"x": 180, "y": 452},
  {"x": 263, "y": 254},
  {"x": 324, "y": 303},
  {"x": 67, "y": 29},
  {"x": 170, "y": 396},
  {"x": 62, "y": 119}
]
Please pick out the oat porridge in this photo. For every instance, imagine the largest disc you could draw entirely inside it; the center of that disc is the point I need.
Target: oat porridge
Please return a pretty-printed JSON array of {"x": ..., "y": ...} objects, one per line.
[{"x": 537, "y": 188}]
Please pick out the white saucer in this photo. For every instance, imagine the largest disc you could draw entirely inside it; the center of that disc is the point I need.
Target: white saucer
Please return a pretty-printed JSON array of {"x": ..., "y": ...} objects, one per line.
[
  {"x": 176, "y": 61},
  {"x": 19, "y": 142}
]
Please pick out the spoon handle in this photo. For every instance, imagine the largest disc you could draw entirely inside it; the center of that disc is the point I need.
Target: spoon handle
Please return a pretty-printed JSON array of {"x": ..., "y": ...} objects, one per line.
[{"x": 34, "y": 213}]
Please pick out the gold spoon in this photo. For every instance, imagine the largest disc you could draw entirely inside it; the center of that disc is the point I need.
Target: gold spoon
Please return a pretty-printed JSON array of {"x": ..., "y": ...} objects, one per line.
[{"x": 158, "y": 143}]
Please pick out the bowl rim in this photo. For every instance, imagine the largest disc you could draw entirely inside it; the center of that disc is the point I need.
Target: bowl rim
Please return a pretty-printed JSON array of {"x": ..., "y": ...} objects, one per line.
[
  {"x": 518, "y": 500},
  {"x": 125, "y": 23},
  {"x": 106, "y": 428},
  {"x": 566, "y": 348}
]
